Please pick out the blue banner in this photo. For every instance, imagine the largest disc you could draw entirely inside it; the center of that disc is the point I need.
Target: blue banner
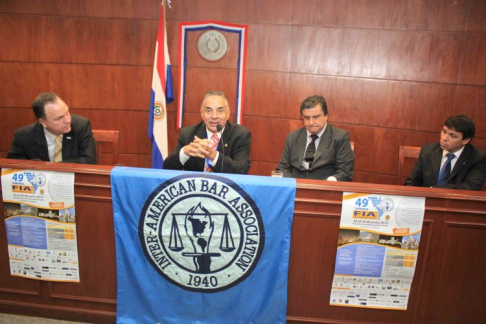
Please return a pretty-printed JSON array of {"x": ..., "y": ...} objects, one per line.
[{"x": 201, "y": 248}]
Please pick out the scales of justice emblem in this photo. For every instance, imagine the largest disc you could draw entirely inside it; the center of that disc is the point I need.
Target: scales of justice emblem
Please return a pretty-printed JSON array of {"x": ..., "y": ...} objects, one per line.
[
  {"x": 199, "y": 227},
  {"x": 202, "y": 232}
]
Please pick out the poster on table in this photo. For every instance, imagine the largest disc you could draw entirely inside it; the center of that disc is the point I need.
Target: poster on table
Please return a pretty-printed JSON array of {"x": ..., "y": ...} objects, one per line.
[
  {"x": 40, "y": 221},
  {"x": 377, "y": 250}
]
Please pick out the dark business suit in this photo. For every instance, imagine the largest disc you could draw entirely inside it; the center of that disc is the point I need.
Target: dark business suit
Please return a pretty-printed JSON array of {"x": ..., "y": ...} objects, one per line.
[
  {"x": 78, "y": 146},
  {"x": 236, "y": 138},
  {"x": 334, "y": 156},
  {"x": 468, "y": 172}
]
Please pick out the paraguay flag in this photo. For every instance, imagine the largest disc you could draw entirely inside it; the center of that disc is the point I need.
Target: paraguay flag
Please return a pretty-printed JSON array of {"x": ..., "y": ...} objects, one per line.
[{"x": 162, "y": 94}]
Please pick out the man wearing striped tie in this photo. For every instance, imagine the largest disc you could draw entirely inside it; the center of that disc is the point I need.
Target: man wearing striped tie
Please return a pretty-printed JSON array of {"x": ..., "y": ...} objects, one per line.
[
  {"x": 452, "y": 163},
  {"x": 57, "y": 136},
  {"x": 213, "y": 145}
]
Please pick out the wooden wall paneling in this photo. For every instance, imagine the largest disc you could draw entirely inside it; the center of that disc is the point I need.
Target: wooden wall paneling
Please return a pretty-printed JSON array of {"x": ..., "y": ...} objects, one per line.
[
  {"x": 262, "y": 168},
  {"x": 199, "y": 81},
  {"x": 276, "y": 12},
  {"x": 191, "y": 118},
  {"x": 171, "y": 129},
  {"x": 473, "y": 70},
  {"x": 269, "y": 47},
  {"x": 268, "y": 137},
  {"x": 46, "y": 46},
  {"x": 194, "y": 10},
  {"x": 266, "y": 95},
  {"x": 136, "y": 160},
  {"x": 90, "y": 8},
  {"x": 477, "y": 17},
  {"x": 366, "y": 177},
  {"x": 270, "y": 11},
  {"x": 80, "y": 86},
  {"x": 471, "y": 101},
  {"x": 463, "y": 241},
  {"x": 172, "y": 40},
  {"x": 376, "y": 103},
  {"x": 10, "y": 120},
  {"x": 131, "y": 124},
  {"x": 447, "y": 15},
  {"x": 377, "y": 148},
  {"x": 371, "y": 53},
  {"x": 77, "y": 40}
]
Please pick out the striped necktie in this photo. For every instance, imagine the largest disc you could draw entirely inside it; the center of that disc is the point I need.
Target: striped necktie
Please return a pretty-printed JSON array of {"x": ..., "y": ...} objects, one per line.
[{"x": 215, "y": 141}]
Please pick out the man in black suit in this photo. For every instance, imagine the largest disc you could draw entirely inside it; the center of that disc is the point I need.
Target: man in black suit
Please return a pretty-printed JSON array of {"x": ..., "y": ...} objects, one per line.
[
  {"x": 213, "y": 145},
  {"x": 452, "y": 163},
  {"x": 318, "y": 150},
  {"x": 57, "y": 136}
]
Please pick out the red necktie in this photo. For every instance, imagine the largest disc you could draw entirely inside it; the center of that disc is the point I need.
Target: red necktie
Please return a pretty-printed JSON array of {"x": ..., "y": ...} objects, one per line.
[{"x": 215, "y": 141}]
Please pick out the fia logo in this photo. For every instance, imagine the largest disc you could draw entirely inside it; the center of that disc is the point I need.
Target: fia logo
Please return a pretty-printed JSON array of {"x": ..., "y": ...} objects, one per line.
[{"x": 202, "y": 232}]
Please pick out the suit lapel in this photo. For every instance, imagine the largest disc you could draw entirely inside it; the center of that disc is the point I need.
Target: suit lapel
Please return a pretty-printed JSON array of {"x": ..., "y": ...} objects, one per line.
[
  {"x": 436, "y": 160},
  {"x": 463, "y": 160},
  {"x": 226, "y": 136},
  {"x": 41, "y": 143},
  {"x": 301, "y": 144},
  {"x": 324, "y": 142},
  {"x": 201, "y": 133},
  {"x": 67, "y": 145}
]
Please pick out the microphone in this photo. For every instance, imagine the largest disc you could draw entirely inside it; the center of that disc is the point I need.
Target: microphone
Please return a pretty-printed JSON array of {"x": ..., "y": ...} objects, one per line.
[{"x": 220, "y": 130}]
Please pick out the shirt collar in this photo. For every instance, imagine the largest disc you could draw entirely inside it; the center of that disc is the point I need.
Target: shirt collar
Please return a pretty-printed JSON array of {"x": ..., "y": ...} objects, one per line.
[
  {"x": 51, "y": 138},
  {"x": 456, "y": 153},
  {"x": 209, "y": 134}
]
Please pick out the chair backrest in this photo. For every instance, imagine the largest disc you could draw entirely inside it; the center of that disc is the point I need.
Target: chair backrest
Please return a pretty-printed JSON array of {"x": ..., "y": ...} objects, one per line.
[
  {"x": 106, "y": 142},
  {"x": 407, "y": 155}
]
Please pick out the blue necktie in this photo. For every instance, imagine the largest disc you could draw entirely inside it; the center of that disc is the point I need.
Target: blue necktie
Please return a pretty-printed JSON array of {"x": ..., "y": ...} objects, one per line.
[{"x": 446, "y": 170}]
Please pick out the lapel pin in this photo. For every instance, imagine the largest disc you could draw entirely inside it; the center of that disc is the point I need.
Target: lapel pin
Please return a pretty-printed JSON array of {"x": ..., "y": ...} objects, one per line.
[{"x": 68, "y": 137}]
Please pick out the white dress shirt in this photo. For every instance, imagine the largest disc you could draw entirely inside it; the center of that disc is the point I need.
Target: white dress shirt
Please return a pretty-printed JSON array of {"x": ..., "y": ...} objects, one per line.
[{"x": 51, "y": 143}]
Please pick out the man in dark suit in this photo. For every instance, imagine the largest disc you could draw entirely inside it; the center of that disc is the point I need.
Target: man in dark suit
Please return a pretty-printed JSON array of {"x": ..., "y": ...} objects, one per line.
[
  {"x": 213, "y": 145},
  {"x": 452, "y": 163},
  {"x": 57, "y": 136},
  {"x": 318, "y": 150}
]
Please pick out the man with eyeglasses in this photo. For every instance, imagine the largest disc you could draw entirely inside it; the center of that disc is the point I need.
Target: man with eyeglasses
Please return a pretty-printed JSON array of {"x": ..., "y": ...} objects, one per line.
[{"x": 214, "y": 144}]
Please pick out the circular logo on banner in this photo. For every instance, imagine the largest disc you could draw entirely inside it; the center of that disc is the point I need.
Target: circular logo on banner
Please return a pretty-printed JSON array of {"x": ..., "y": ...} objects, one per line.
[
  {"x": 202, "y": 233},
  {"x": 158, "y": 110},
  {"x": 212, "y": 45},
  {"x": 40, "y": 179}
]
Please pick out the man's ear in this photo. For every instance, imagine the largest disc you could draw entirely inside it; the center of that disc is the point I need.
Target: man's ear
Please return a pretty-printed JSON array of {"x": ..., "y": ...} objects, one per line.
[
  {"x": 42, "y": 122},
  {"x": 466, "y": 141}
]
